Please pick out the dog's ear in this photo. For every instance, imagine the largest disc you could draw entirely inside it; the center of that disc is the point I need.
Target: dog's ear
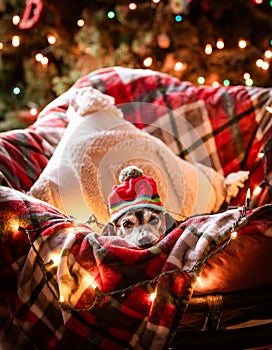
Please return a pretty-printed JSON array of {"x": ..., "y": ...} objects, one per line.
[{"x": 109, "y": 230}]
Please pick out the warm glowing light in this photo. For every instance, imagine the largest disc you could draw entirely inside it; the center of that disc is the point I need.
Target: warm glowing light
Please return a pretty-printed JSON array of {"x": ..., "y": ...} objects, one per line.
[
  {"x": 258, "y": 2},
  {"x": 259, "y": 63},
  {"x": 61, "y": 298},
  {"x": 242, "y": 44},
  {"x": 248, "y": 193},
  {"x": 156, "y": 1},
  {"x": 268, "y": 54},
  {"x": 220, "y": 44},
  {"x": 15, "y": 20},
  {"x": 33, "y": 111},
  {"x": 201, "y": 80},
  {"x": 269, "y": 109},
  {"x": 260, "y": 155},
  {"x": 152, "y": 297},
  {"x": 38, "y": 57},
  {"x": 1, "y": 45},
  {"x": 44, "y": 61},
  {"x": 148, "y": 61},
  {"x": 199, "y": 281},
  {"x": 215, "y": 84},
  {"x": 15, "y": 41},
  {"x": 249, "y": 82},
  {"x": 13, "y": 224},
  {"x": 257, "y": 191},
  {"x": 51, "y": 39},
  {"x": 246, "y": 76},
  {"x": 81, "y": 22},
  {"x": 54, "y": 257},
  {"x": 234, "y": 235},
  {"x": 208, "y": 49},
  {"x": 265, "y": 65},
  {"x": 178, "y": 66},
  {"x": 132, "y": 6},
  {"x": 90, "y": 281}
]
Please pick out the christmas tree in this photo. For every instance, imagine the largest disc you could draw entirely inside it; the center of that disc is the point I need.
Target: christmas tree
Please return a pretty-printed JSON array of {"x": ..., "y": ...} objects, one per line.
[{"x": 46, "y": 46}]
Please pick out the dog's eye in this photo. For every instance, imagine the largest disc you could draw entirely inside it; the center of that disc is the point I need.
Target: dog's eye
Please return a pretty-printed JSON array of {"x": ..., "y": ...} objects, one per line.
[
  {"x": 154, "y": 220},
  {"x": 127, "y": 224}
]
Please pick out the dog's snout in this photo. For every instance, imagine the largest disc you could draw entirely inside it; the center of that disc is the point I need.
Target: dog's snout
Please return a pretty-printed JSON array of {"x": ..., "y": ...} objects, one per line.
[{"x": 145, "y": 241}]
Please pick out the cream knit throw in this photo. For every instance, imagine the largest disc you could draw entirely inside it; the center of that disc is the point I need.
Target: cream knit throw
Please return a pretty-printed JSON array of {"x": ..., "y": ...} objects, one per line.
[{"x": 98, "y": 143}]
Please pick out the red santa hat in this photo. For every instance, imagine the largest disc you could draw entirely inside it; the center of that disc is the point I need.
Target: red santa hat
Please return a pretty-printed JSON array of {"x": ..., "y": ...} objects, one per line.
[{"x": 135, "y": 191}]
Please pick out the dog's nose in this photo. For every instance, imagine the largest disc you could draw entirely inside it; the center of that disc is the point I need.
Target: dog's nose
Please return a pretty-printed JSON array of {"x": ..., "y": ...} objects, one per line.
[{"x": 145, "y": 241}]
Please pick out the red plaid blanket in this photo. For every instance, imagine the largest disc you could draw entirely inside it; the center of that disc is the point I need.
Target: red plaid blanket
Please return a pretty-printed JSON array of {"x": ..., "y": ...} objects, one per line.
[
  {"x": 222, "y": 127},
  {"x": 68, "y": 287}
]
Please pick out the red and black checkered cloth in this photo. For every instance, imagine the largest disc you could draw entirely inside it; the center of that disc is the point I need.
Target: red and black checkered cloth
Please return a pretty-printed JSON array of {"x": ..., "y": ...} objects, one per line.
[
  {"x": 224, "y": 127},
  {"x": 123, "y": 317}
]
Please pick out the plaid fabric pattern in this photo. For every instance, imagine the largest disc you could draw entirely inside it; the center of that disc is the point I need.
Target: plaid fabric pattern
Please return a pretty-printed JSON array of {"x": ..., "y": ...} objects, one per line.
[
  {"x": 224, "y": 127},
  {"x": 22, "y": 158},
  {"x": 87, "y": 262}
]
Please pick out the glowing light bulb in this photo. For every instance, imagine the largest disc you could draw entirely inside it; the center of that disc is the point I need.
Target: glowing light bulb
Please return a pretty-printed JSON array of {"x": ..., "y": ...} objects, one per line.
[
  {"x": 33, "y": 111},
  {"x": 51, "y": 39},
  {"x": 199, "y": 281},
  {"x": 132, "y": 6},
  {"x": 257, "y": 190},
  {"x": 16, "y": 90},
  {"x": 44, "y": 61},
  {"x": 208, "y": 49},
  {"x": 55, "y": 257},
  {"x": 38, "y": 57},
  {"x": 242, "y": 44},
  {"x": 13, "y": 224},
  {"x": 259, "y": 63},
  {"x": 260, "y": 155},
  {"x": 246, "y": 76},
  {"x": 220, "y": 44},
  {"x": 269, "y": 109},
  {"x": 226, "y": 82},
  {"x": 81, "y": 22},
  {"x": 15, "y": 20},
  {"x": 61, "y": 298},
  {"x": 201, "y": 80},
  {"x": 15, "y": 41},
  {"x": 178, "y": 66},
  {"x": 90, "y": 281},
  {"x": 268, "y": 54},
  {"x": 156, "y": 1},
  {"x": 234, "y": 235},
  {"x": 248, "y": 193},
  {"x": 152, "y": 296},
  {"x": 215, "y": 84},
  {"x": 249, "y": 82},
  {"x": 178, "y": 18},
  {"x": 1, "y": 45},
  {"x": 265, "y": 66},
  {"x": 148, "y": 61},
  {"x": 111, "y": 14}
]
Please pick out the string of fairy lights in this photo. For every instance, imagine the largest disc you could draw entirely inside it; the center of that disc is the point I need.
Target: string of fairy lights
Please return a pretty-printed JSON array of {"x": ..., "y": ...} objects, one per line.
[
  {"x": 179, "y": 8},
  {"x": 230, "y": 234}
]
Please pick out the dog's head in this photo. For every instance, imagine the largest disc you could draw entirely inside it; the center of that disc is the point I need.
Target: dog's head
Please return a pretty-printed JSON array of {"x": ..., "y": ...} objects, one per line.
[
  {"x": 139, "y": 227},
  {"x": 136, "y": 210}
]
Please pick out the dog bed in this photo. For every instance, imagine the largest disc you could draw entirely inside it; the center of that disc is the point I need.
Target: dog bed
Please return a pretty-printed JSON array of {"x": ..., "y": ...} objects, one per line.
[{"x": 66, "y": 286}]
